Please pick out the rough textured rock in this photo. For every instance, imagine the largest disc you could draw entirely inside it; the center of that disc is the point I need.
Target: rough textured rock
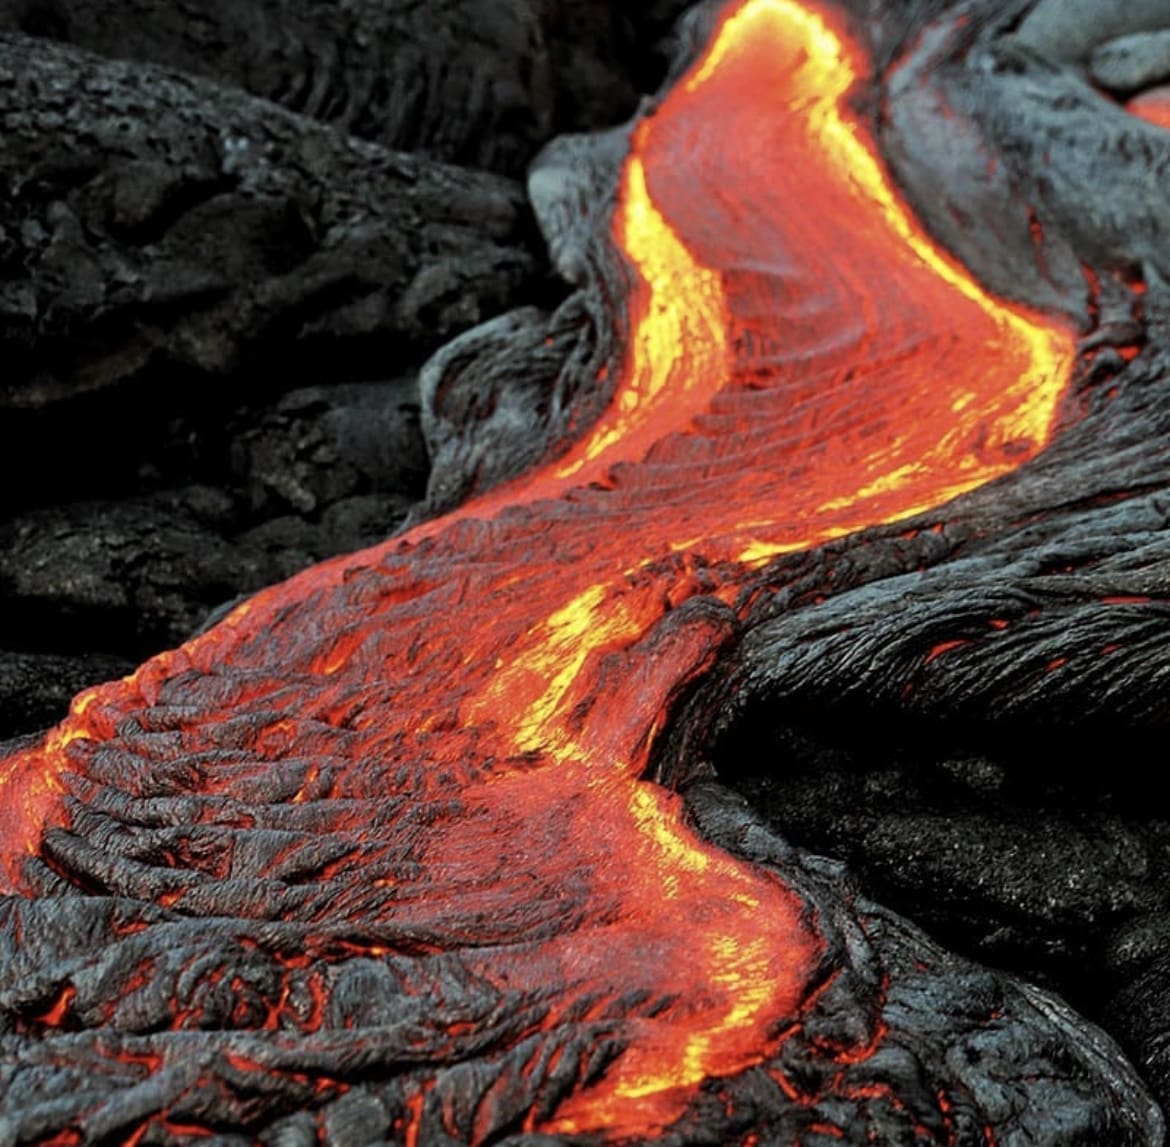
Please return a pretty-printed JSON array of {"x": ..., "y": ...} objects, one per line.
[
  {"x": 481, "y": 83},
  {"x": 178, "y": 259},
  {"x": 1132, "y": 62},
  {"x": 36, "y": 688},
  {"x": 959, "y": 1046},
  {"x": 975, "y": 702},
  {"x": 169, "y": 228},
  {"x": 174, "y": 291},
  {"x": 1069, "y": 29},
  {"x": 133, "y": 575},
  {"x": 319, "y": 445},
  {"x": 469, "y": 83}
]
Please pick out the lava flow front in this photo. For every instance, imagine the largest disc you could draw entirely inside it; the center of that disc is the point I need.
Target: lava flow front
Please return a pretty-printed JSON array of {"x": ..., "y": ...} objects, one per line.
[{"x": 460, "y": 717}]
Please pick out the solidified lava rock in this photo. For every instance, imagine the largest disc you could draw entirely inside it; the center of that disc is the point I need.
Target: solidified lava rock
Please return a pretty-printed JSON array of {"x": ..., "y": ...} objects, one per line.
[
  {"x": 198, "y": 960},
  {"x": 480, "y": 83},
  {"x": 182, "y": 264},
  {"x": 168, "y": 227}
]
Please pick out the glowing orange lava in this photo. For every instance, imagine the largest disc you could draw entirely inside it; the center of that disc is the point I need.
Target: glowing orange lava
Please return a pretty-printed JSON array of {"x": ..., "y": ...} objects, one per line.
[
  {"x": 804, "y": 363},
  {"x": 1152, "y": 106}
]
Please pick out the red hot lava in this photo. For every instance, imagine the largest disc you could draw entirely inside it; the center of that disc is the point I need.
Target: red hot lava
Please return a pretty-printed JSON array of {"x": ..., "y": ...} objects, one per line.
[
  {"x": 804, "y": 363},
  {"x": 1152, "y": 106}
]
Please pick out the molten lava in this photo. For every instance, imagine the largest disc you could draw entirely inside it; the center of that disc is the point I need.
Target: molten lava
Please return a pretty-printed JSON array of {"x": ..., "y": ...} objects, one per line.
[
  {"x": 1152, "y": 106},
  {"x": 467, "y": 709}
]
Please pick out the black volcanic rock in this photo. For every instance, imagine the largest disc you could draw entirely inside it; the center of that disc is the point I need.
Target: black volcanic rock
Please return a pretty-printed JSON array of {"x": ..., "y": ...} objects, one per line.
[
  {"x": 318, "y": 445},
  {"x": 36, "y": 688},
  {"x": 480, "y": 83},
  {"x": 160, "y": 227}
]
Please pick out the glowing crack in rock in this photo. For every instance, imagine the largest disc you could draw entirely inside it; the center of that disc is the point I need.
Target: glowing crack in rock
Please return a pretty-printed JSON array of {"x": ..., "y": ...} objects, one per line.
[
  {"x": 1152, "y": 106},
  {"x": 803, "y": 363}
]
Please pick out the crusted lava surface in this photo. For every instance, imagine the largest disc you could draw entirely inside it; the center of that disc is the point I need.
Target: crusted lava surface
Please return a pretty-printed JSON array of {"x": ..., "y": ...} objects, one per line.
[{"x": 423, "y": 846}]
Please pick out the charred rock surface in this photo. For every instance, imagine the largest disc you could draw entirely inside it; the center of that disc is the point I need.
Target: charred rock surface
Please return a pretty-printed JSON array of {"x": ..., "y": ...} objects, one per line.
[
  {"x": 83, "y": 1005},
  {"x": 469, "y": 83},
  {"x": 36, "y": 687},
  {"x": 480, "y": 83},
  {"x": 166, "y": 227}
]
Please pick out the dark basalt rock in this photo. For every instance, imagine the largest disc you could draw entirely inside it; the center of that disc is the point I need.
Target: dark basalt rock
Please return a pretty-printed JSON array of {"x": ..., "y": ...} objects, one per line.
[
  {"x": 469, "y": 83},
  {"x": 317, "y": 446},
  {"x": 176, "y": 257},
  {"x": 36, "y": 688},
  {"x": 480, "y": 83},
  {"x": 1070, "y": 29},
  {"x": 165, "y": 226},
  {"x": 1132, "y": 62},
  {"x": 133, "y": 575}
]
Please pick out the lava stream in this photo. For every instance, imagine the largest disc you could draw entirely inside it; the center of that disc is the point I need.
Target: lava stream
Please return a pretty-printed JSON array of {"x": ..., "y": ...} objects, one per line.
[{"x": 804, "y": 363}]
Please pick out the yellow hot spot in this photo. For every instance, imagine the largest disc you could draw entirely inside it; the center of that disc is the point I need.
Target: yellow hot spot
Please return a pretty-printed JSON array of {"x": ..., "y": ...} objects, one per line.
[
  {"x": 1026, "y": 408},
  {"x": 757, "y": 553},
  {"x": 568, "y": 638},
  {"x": 530, "y": 692},
  {"x": 30, "y": 787},
  {"x": 61, "y": 738},
  {"x": 889, "y": 483},
  {"x": 789, "y": 21},
  {"x": 676, "y": 854},
  {"x": 678, "y": 352},
  {"x": 741, "y": 969},
  {"x": 1050, "y": 351},
  {"x": 83, "y": 701},
  {"x": 826, "y": 76},
  {"x": 600, "y": 443}
]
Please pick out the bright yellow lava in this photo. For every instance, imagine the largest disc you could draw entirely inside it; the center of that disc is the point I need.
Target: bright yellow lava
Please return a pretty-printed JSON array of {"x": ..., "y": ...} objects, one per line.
[{"x": 678, "y": 352}]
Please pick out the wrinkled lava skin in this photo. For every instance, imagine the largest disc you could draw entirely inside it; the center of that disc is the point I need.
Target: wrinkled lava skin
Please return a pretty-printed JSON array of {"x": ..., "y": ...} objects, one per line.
[{"x": 433, "y": 749}]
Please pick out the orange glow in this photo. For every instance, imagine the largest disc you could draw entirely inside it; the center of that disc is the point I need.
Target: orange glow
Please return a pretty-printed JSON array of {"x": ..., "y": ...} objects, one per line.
[
  {"x": 678, "y": 351},
  {"x": 897, "y": 376},
  {"x": 944, "y": 648},
  {"x": 30, "y": 793},
  {"x": 1152, "y": 106},
  {"x": 57, "y": 1013},
  {"x": 802, "y": 363}
]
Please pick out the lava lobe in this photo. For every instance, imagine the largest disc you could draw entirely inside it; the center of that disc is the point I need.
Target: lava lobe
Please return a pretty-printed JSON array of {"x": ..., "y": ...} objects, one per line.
[{"x": 425, "y": 759}]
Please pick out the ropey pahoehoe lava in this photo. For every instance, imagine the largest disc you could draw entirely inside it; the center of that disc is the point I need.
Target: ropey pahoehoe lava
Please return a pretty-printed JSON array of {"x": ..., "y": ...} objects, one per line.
[{"x": 427, "y": 758}]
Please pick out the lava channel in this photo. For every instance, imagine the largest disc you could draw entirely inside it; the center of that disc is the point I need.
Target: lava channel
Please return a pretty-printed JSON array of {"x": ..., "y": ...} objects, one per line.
[{"x": 468, "y": 708}]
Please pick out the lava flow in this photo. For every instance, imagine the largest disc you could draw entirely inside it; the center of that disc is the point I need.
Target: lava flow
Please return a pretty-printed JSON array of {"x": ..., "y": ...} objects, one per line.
[
  {"x": 466, "y": 710},
  {"x": 1152, "y": 106}
]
